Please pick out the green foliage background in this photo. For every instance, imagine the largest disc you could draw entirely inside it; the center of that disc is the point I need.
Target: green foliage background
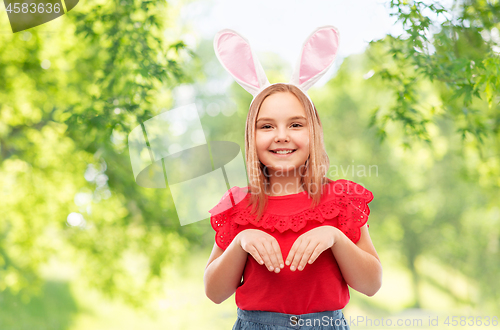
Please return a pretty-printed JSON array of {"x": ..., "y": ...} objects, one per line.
[{"x": 420, "y": 110}]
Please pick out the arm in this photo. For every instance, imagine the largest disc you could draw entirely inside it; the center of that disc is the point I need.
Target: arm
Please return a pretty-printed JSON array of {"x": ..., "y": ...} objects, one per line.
[
  {"x": 224, "y": 270},
  {"x": 359, "y": 263}
]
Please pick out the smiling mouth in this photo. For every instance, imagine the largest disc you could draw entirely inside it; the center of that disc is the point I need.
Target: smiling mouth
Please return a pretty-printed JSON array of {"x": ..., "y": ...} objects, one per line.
[{"x": 283, "y": 153}]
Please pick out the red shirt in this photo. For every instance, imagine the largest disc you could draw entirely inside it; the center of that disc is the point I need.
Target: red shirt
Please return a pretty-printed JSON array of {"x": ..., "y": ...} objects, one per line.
[{"x": 319, "y": 286}]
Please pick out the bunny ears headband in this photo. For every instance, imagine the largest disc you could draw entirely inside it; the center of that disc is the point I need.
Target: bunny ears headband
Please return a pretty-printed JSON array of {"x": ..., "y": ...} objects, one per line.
[{"x": 237, "y": 57}]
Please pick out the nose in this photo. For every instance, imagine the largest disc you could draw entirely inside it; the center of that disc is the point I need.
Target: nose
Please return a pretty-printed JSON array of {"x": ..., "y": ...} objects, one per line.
[{"x": 281, "y": 135}]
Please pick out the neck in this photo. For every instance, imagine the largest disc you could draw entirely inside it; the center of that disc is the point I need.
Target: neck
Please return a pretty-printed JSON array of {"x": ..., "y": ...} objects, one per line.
[{"x": 284, "y": 185}]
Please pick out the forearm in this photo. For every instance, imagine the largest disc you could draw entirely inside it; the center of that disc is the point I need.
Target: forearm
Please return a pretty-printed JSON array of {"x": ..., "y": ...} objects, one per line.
[
  {"x": 360, "y": 269},
  {"x": 223, "y": 276}
]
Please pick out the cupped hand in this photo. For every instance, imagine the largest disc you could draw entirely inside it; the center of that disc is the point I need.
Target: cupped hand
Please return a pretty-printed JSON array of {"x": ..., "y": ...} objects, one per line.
[
  {"x": 309, "y": 246},
  {"x": 263, "y": 247}
]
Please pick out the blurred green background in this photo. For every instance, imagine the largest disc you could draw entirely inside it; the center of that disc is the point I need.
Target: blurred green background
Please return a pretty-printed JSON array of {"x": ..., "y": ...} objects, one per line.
[{"x": 419, "y": 110}]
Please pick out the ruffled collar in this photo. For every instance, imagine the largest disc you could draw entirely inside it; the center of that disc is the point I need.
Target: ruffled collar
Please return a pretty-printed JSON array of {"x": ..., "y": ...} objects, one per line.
[{"x": 343, "y": 197}]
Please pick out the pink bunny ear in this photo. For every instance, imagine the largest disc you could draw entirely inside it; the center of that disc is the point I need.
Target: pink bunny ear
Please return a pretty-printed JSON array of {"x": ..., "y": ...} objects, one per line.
[
  {"x": 236, "y": 56},
  {"x": 318, "y": 54}
]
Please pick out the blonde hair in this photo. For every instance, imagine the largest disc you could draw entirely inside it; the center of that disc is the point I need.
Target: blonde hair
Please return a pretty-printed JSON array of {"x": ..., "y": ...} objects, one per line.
[{"x": 316, "y": 165}]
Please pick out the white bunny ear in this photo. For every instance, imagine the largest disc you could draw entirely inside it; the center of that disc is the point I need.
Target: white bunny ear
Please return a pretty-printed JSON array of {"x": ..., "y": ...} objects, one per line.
[
  {"x": 236, "y": 56},
  {"x": 318, "y": 54}
]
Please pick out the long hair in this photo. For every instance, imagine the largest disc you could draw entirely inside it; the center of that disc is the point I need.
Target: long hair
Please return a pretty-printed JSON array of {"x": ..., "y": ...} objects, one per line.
[{"x": 315, "y": 167}]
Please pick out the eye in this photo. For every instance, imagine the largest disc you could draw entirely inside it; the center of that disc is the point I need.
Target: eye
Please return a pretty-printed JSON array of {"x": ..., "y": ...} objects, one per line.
[{"x": 269, "y": 126}]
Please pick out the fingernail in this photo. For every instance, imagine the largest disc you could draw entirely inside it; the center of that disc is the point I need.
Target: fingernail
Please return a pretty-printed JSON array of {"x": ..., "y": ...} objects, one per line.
[
  {"x": 277, "y": 270},
  {"x": 271, "y": 268},
  {"x": 281, "y": 266},
  {"x": 288, "y": 263},
  {"x": 292, "y": 268},
  {"x": 300, "y": 267}
]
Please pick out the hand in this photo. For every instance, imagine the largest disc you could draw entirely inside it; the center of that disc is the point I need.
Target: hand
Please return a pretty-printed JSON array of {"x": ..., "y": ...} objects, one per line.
[
  {"x": 263, "y": 247},
  {"x": 310, "y": 245}
]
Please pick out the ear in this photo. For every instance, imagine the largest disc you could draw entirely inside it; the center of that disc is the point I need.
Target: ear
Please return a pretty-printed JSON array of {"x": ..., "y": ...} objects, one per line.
[
  {"x": 318, "y": 54},
  {"x": 236, "y": 56}
]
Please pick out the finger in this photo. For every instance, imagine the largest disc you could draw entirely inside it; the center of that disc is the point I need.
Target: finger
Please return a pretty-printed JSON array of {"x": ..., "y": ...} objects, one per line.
[
  {"x": 293, "y": 250},
  {"x": 272, "y": 255},
  {"x": 256, "y": 255},
  {"x": 307, "y": 255},
  {"x": 298, "y": 255},
  {"x": 279, "y": 255},
  {"x": 315, "y": 254},
  {"x": 265, "y": 255}
]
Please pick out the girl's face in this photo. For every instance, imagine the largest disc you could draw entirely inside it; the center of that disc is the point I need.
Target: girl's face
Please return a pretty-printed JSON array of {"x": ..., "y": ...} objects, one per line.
[{"x": 282, "y": 124}]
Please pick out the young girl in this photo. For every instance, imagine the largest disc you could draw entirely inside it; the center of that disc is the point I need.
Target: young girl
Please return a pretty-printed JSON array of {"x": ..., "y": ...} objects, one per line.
[{"x": 297, "y": 237}]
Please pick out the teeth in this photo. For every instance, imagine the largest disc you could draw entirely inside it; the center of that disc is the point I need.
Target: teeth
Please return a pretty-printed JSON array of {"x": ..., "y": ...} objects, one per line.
[{"x": 283, "y": 151}]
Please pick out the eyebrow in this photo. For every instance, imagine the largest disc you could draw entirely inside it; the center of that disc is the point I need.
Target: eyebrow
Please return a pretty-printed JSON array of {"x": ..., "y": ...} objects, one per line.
[{"x": 292, "y": 118}]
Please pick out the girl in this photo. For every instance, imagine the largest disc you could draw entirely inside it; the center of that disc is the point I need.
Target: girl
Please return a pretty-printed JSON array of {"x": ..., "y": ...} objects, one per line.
[{"x": 297, "y": 237}]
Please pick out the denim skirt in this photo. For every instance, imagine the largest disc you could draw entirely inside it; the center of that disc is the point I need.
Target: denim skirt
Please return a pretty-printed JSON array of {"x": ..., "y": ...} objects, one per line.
[{"x": 260, "y": 320}]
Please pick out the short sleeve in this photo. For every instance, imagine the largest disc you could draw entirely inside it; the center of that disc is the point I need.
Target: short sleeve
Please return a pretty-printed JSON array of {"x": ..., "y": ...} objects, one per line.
[
  {"x": 357, "y": 210},
  {"x": 221, "y": 217}
]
